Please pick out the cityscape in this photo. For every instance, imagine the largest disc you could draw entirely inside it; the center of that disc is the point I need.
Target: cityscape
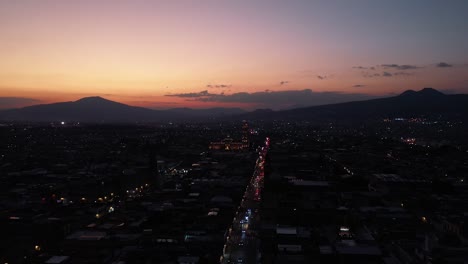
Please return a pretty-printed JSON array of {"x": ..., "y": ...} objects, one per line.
[{"x": 258, "y": 132}]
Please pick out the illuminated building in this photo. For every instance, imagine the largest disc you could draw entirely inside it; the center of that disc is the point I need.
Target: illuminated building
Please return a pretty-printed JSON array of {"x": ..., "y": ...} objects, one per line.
[
  {"x": 226, "y": 144},
  {"x": 229, "y": 143}
]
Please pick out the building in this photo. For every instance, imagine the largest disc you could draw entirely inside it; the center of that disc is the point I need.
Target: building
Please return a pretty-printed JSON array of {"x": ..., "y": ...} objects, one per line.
[
  {"x": 226, "y": 144},
  {"x": 229, "y": 144}
]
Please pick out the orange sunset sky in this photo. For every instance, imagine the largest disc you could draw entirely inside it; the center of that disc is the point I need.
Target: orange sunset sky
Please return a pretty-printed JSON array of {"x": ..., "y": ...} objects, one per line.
[{"x": 165, "y": 54}]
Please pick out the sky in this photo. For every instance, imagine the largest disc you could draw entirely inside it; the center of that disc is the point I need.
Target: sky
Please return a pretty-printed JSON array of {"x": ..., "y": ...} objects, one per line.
[{"x": 245, "y": 53}]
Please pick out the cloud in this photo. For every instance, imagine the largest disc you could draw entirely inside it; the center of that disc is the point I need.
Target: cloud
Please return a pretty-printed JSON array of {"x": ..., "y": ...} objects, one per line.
[
  {"x": 359, "y": 85},
  {"x": 399, "y": 67},
  {"x": 387, "y": 74},
  {"x": 276, "y": 99},
  {"x": 369, "y": 74},
  {"x": 284, "y": 82},
  {"x": 14, "y": 102},
  {"x": 403, "y": 73},
  {"x": 192, "y": 95},
  {"x": 364, "y": 68},
  {"x": 443, "y": 65},
  {"x": 218, "y": 85}
]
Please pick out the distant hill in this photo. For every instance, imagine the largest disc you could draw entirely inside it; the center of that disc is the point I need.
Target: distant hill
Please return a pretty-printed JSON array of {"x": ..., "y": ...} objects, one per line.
[
  {"x": 426, "y": 102},
  {"x": 101, "y": 110},
  {"x": 208, "y": 112},
  {"x": 95, "y": 109}
]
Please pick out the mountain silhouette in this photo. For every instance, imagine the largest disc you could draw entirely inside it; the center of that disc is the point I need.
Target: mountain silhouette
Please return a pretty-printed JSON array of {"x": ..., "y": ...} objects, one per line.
[
  {"x": 426, "y": 92},
  {"x": 427, "y": 102},
  {"x": 91, "y": 109}
]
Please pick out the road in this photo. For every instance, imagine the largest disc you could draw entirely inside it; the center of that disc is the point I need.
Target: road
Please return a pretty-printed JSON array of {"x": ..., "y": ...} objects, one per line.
[{"x": 242, "y": 242}]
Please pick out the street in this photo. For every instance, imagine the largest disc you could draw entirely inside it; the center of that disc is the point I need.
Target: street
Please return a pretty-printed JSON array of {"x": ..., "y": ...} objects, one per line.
[{"x": 242, "y": 242}]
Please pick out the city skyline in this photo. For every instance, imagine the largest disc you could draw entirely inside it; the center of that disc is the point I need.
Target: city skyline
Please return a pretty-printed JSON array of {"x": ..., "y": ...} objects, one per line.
[{"x": 160, "y": 54}]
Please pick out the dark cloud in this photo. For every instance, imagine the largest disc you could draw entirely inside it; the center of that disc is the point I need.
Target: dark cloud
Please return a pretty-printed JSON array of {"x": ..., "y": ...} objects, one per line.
[
  {"x": 14, "y": 102},
  {"x": 369, "y": 74},
  {"x": 387, "y": 74},
  {"x": 192, "y": 95},
  {"x": 399, "y": 67},
  {"x": 443, "y": 65},
  {"x": 284, "y": 82},
  {"x": 276, "y": 99},
  {"x": 359, "y": 85},
  {"x": 403, "y": 73},
  {"x": 364, "y": 68},
  {"x": 218, "y": 85}
]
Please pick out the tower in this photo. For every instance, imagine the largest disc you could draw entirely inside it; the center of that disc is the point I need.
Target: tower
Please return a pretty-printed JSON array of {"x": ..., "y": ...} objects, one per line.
[{"x": 245, "y": 135}]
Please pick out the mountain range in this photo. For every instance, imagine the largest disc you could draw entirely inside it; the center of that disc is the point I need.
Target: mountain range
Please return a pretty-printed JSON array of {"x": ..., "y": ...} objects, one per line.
[{"x": 426, "y": 102}]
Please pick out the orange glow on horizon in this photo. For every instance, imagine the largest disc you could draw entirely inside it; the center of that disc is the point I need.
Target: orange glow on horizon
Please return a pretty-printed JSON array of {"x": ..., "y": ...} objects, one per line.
[{"x": 137, "y": 52}]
